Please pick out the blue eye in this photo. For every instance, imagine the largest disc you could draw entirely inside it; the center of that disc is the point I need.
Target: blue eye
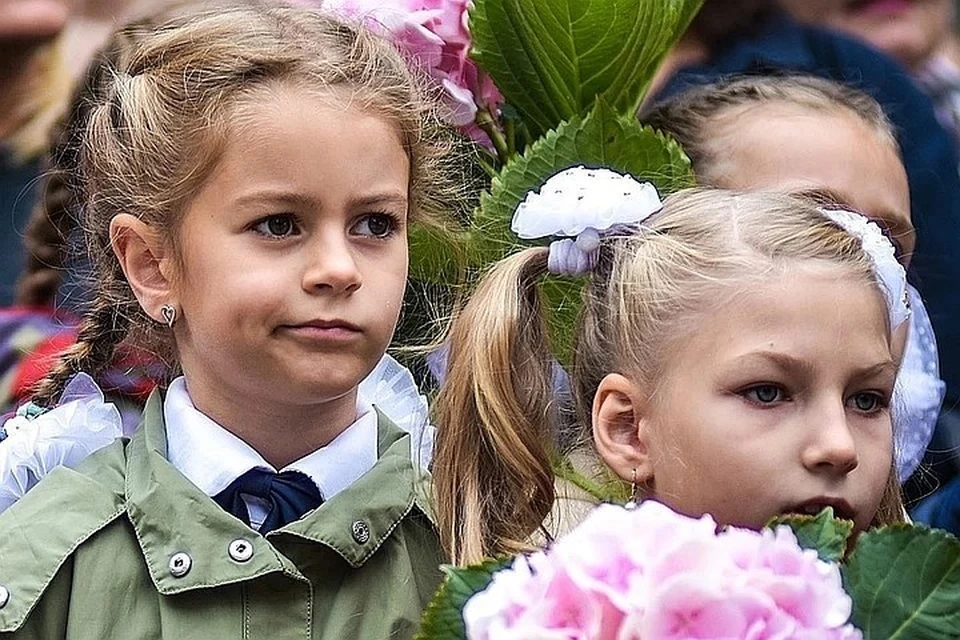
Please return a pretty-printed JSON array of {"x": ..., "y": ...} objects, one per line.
[
  {"x": 277, "y": 226},
  {"x": 377, "y": 225},
  {"x": 867, "y": 402},
  {"x": 764, "y": 394}
]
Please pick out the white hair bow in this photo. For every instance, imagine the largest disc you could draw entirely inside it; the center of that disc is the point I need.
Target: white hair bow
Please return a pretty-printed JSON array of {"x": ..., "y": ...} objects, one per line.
[{"x": 579, "y": 205}]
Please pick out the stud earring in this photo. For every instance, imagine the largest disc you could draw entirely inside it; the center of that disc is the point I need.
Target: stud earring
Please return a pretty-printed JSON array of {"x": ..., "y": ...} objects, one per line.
[
  {"x": 634, "y": 500},
  {"x": 169, "y": 313}
]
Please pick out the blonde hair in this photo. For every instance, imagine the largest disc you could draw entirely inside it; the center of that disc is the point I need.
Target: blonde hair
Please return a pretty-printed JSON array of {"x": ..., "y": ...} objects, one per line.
[
  {"x": 158, "y": 122},
  {"x": 693, "y": 116},
  {"x": 45, "y": 104},
  {"x": 651, "y": 288}
]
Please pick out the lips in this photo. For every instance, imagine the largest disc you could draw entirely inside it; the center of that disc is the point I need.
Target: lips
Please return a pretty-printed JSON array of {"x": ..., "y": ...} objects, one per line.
[
  {"x": 323, "y": 330},
  {"x": 329, "y": 324},
  {"x": 841, "y": 508}
]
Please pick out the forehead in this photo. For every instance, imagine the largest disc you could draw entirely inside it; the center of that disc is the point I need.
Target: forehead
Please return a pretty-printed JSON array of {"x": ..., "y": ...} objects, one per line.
[
  {"x": 796, "y": 148},
  {"x": 812, "y": 311}
]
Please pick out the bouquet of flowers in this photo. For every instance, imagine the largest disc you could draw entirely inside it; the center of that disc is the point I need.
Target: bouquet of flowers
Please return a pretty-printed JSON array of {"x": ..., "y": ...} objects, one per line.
[{"x": 653, "y": 574}]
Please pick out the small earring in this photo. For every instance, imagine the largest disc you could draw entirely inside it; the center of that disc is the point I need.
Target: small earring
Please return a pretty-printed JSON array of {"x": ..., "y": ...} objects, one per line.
[
  {"x": 634, "y": 500},
  {"x": 169, "y": 313}
]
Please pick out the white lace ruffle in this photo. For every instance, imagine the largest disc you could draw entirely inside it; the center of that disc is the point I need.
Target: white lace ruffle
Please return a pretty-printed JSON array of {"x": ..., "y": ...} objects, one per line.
[
  {"x": 84, "y": 423},
  {"x": 391, "y": 388},
  {"x": 63, "y": 436},
  {"x": 889, "y": 271},
  {"x": 918, "y": 392}
]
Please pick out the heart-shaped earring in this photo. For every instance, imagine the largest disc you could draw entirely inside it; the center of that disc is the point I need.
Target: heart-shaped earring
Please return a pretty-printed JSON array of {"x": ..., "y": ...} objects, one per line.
[{"x": 169, "y": 313}]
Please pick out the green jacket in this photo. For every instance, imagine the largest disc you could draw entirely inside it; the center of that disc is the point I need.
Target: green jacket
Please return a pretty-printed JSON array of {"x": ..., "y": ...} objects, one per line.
[{"x": 125, "y": 547}]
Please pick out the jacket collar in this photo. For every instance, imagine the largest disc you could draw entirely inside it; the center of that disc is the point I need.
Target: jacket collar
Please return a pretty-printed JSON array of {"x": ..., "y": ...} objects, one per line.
[{"x": 172, "y": 516}]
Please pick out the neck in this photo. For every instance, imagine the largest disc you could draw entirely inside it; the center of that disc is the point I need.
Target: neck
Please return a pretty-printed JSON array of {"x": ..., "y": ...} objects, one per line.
[{"x": 280, "y": 432}]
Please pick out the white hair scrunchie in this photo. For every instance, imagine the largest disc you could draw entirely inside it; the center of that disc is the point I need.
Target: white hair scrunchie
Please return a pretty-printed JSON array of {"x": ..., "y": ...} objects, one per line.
[
  {"x": 890, "y": 273},
  {"x": 578, "y": 205}
]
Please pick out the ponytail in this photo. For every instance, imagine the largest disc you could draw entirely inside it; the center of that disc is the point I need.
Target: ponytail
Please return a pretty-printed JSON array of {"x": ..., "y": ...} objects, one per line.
[{"x": 493, "y": 481}]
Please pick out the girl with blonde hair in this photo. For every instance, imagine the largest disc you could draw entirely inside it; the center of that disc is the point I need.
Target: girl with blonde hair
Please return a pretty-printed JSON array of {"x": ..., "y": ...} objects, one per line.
[
  {"x": 734, "y": 356},
  {"x": 247, "y": 177}
]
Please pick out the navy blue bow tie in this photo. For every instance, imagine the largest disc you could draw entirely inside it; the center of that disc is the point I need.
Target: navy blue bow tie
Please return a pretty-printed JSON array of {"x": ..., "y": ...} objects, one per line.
[{"x": 290, "y": 495}]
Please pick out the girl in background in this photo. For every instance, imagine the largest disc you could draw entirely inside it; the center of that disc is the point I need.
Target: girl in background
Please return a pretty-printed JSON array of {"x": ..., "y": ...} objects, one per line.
[{"x": 810, "y": 136}]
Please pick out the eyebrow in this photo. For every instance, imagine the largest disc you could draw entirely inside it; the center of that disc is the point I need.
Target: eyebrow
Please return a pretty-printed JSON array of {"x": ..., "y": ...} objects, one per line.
[
  {"x": 381, "y": 199},
  {"x": 267, "y": 196},
  {"x": 789, "y": 363}
]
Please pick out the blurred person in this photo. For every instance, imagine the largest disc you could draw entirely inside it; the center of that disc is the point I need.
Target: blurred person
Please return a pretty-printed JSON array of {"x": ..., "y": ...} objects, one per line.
[{"x": 920, "y": 34}]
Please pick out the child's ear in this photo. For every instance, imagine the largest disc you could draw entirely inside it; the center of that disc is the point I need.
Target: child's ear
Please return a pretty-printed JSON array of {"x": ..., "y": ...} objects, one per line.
[
  {"x": 619, "y": 429},
  {"x": 145, "y": 262}
]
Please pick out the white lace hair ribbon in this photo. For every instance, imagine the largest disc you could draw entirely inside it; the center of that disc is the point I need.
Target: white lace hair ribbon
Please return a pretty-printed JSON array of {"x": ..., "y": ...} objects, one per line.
[
  {"x": 578, "y": 205},
  {"x": 890, "y": 273},
  {"x": 919, "y": 391}
]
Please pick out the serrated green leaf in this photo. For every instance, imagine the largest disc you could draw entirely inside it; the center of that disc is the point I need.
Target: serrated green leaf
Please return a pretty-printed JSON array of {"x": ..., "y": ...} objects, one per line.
[
  {"x": 552, "y": 59},
  {"x": 442, "y": 619},
  {"x": 602, "y": 139},
  {"x": 823, "y": 532},
  {"x": 905, "y": 584}
]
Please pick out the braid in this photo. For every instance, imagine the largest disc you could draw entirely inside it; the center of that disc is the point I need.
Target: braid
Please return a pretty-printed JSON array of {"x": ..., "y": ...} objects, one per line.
[
  {"x": 102, "y": 329},
  {"x": 46, "y": 241}
]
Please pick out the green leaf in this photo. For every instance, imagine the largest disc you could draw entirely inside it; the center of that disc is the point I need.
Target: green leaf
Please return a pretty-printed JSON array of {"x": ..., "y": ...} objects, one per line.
[
  {"x": 905, "y": 583},
  {"x": 823, "y": 532},
  {"x": 552, "y": 59},
  {"x": 442, "y": 619},
  {"x": 436, "y": 255},
  {"x": 602, "y": 139}
]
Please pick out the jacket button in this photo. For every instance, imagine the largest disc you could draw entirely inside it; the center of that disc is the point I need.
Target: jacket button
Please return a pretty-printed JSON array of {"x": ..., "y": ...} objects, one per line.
[
  {"x": 240, "y": 550},
  {"x": 4, "y": 596},
  {"x": 361, "y": 532},
  {"x": 180, "y": 564}
]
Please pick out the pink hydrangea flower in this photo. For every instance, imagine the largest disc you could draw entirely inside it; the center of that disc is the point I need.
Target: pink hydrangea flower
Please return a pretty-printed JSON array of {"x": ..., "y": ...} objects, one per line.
[
  {"x": 433, "y": 33},
  {"x": 653, "y": 574}
]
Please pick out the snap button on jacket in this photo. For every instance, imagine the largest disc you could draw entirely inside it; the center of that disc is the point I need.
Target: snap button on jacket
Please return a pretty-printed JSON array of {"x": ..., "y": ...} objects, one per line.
[{"x": 99, "y": 553}]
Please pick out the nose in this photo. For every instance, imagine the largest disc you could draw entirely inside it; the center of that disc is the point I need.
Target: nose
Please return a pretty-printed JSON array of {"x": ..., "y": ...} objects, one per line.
[
  {"x": 331, "y": 264},
  {"x": 831, "y": 447}
]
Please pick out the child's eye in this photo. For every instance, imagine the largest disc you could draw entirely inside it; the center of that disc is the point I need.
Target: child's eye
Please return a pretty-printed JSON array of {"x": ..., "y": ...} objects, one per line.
[
  {"x": 277, "y": 226},
  {"x": 764, "y": 394},
  {"x": 377, "y": 225},
  {"x": 867, "y": 402}
]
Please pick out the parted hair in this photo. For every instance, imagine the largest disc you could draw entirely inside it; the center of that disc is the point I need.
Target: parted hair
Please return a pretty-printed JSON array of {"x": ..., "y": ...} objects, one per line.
[
  {"x": 694, "y": 116},
  {"x": 651, "y": 288},
  {"x": 152, "y": 132}
]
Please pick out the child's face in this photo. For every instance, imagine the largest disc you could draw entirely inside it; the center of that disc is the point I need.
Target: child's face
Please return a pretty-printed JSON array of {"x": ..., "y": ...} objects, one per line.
[
  {"x": 778, "y": 404},
  {"x": 909, "y": 30},
  {"x": 793, "y": 149},
  {"x": 294, "y": 254}
]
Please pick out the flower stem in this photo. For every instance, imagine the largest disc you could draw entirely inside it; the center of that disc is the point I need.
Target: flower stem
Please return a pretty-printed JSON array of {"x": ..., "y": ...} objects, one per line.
[{"x": 488, "y": 124}]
